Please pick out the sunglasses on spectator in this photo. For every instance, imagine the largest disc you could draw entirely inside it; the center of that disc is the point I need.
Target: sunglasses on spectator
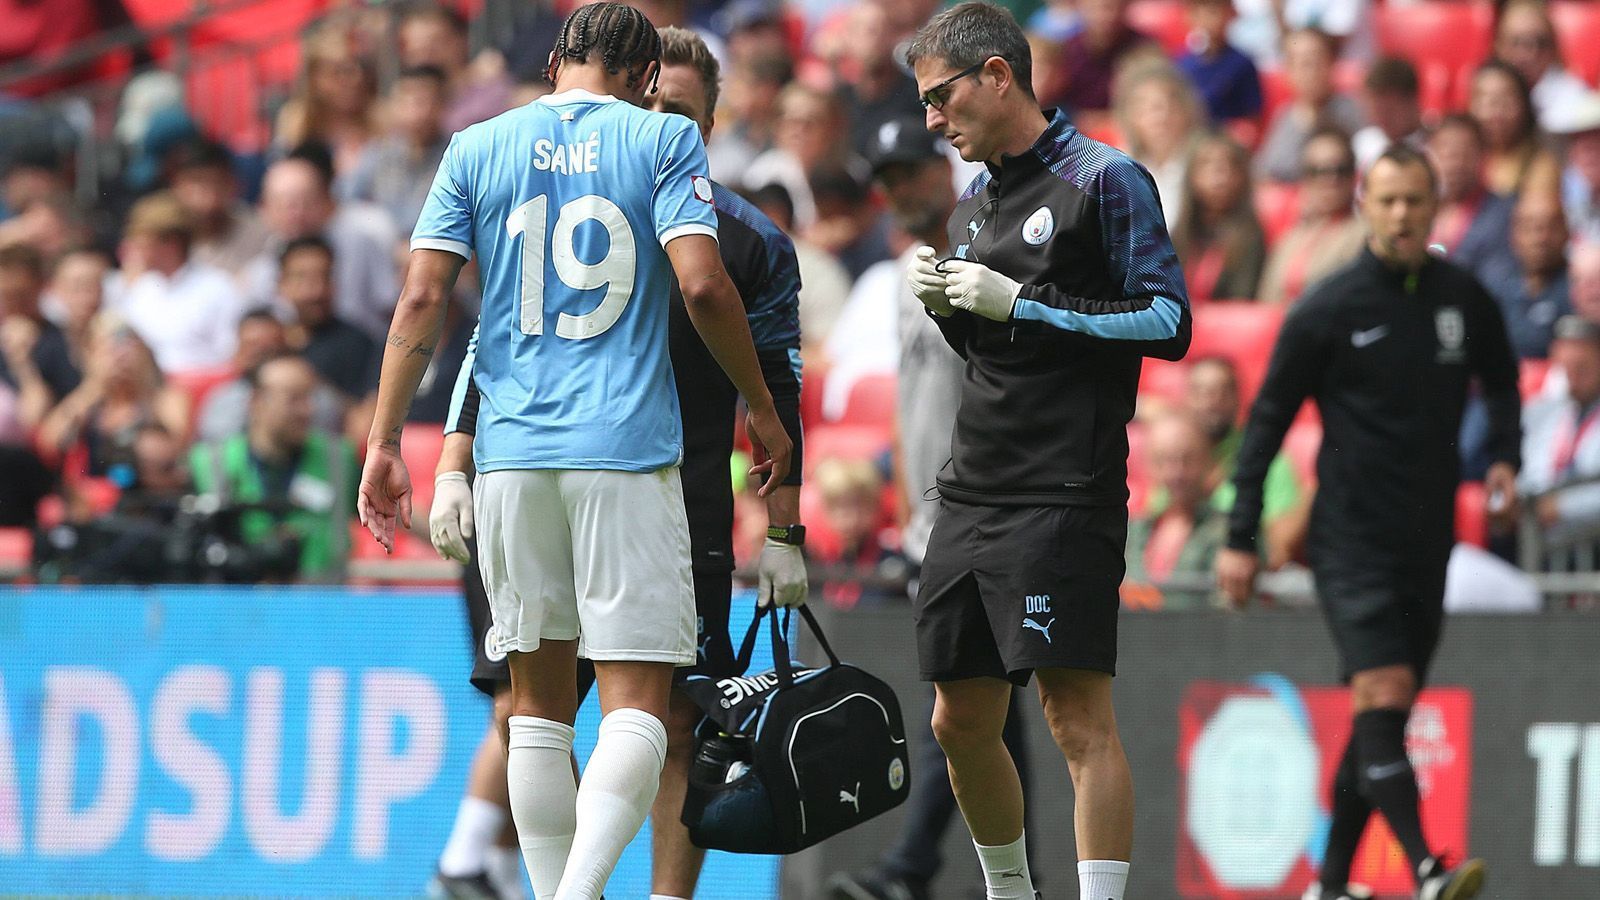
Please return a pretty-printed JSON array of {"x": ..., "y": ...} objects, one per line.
[
  {"x": 1343, "y": 170},
  {"x": 938, "y": 95}
]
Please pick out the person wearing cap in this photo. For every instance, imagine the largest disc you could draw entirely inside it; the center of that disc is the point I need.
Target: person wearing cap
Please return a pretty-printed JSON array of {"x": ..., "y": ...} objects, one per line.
[
  {"x": 1388, "y": 345},
  {"x": 912, "y": 170},
  {"x": 1060, "y": 280},
  {"x": 184, "y": 309},
  {"x": 1579, "y": 124},
  {"x": 1561, "y": 433}
]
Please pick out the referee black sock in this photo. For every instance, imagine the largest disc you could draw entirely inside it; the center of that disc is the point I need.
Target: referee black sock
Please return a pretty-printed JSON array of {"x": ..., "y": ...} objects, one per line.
[
  {"x": 1387, "y": 778},
  {"x": 1350, "y": 813}
]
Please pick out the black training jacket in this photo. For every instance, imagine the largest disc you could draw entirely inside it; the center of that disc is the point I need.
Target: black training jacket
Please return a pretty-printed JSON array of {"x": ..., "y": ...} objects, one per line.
[
  {"x": 1047, "y": 396},
  {"x": 1388, "y": 357}
]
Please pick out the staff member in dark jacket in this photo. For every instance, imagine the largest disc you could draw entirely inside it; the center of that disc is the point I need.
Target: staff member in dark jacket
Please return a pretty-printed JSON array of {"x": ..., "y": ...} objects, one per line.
[
  {"x": 1062, "y": 279},
  {"x": 1387, "y": 345}
]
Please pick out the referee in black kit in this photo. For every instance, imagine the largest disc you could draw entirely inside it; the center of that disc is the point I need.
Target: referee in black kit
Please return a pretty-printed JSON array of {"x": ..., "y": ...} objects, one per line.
[
  {"x": 1387, "y": 345},
  {"x": 1062, "y": 278}
]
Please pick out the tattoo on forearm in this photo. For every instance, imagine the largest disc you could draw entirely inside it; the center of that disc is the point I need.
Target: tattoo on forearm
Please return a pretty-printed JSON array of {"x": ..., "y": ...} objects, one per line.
[{"x": 400, "y": 343}]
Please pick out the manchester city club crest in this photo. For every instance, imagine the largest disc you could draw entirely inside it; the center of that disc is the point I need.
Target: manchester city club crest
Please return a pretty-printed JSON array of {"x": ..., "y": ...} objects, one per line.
[
  {"x": 1451, "y": 327},
  {"x": 1039, "y": 226}
]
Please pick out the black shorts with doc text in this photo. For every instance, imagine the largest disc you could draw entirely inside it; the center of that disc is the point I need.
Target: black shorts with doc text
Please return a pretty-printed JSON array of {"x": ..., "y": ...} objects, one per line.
[
  {"x": 713, "y": 594},
  {"x": 1381, "y": 613},
  {"x": 1009, "y": 589}
]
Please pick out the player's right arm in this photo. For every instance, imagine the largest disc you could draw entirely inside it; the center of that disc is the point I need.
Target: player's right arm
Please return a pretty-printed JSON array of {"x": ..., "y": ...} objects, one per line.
[
  {"x": 685, "y": 224},
  {"x": 718, "y": 314},
  {"x": 1298, "y": 360}
]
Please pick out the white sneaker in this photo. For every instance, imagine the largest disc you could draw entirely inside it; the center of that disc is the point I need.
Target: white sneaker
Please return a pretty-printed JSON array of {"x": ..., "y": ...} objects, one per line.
[{"x": 1436, "y": 881}]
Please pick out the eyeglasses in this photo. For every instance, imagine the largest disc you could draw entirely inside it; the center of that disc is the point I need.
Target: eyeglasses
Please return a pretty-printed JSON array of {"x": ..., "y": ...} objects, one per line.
[
  {"x": 1531, "y": 41},
  {"x": 938, "y": 95}
]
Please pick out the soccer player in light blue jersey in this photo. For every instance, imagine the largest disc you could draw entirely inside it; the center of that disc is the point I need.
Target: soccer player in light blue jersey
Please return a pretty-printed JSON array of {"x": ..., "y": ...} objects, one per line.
[{"x": 581, "y": 207}]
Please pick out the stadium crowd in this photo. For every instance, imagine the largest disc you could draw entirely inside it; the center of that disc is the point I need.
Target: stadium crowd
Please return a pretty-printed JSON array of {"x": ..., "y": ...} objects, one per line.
[{"x": 210, "y": 322}]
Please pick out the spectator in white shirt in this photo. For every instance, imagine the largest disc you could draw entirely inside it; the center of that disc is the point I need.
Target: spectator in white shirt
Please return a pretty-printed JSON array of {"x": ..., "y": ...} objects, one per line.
[
  {"x": 1561, "y": 433},
  {"x": 184, "y": 310},
  {"x": 1526, "y": 38},
  {"x": 297, "y": 202}
]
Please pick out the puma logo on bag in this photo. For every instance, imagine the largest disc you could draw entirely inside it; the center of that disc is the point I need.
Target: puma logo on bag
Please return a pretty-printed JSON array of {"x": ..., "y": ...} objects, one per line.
[{"x": 853, "y": 799}]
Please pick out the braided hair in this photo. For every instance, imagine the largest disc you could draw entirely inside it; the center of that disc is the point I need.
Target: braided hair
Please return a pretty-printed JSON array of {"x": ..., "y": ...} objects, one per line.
[{"x": 625, "y": 38}]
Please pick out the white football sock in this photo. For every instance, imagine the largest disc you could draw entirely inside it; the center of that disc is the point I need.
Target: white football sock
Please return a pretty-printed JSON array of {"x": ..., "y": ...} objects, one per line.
[
  {"x": 619, "y": 784},
  {"x": 504, "y": 868},
  {"x": 1102, "y": 879},
  {"x": 1005, "y": 870},
  {"x": 666, "y": 897},
  {"x": 478, "y": 821},
  {"x": 543, "y": 798}
]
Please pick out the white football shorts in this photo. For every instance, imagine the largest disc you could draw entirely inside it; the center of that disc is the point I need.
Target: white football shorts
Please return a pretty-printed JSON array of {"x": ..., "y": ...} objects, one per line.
[{"x": 597, "y": 556}]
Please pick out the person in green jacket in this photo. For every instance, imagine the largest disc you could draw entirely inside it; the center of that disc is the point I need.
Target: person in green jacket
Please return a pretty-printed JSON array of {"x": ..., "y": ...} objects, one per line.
[
  {"x": 280, "y": 459},
  {"x": 1181, "y": 531}
]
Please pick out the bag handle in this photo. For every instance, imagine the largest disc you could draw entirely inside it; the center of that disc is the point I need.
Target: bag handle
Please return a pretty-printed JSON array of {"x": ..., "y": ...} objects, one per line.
[{"x": 780, "y": 642}]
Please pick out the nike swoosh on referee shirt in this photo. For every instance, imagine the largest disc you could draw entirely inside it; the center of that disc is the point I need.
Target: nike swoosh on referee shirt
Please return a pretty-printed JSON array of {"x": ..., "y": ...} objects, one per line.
[{"x": 1359, "y": 339}]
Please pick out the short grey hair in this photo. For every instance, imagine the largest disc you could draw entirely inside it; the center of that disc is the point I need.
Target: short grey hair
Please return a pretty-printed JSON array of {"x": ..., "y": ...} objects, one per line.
[{"x": 969, "y": 33}]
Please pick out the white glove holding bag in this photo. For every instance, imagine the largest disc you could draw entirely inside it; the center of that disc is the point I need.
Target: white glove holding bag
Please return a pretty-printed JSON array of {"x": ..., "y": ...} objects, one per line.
[
  {"x": 927, "y": 282},
  {"x": 450, "y": 519},
  {"x": 979, "y": 289},
  {"x": 782, "y": 576}
]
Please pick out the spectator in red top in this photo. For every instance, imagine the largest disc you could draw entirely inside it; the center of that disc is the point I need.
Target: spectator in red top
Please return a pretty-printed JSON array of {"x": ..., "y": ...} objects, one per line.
[
  {"x": 1089, "y": 60},
  {"x": 1328, "y": 234}
]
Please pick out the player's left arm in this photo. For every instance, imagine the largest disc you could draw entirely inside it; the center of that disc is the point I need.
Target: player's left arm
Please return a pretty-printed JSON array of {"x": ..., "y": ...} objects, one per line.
[
  {"x": 1151, "y": 306},
  {"x": 1495, "y": 365},
  {"x": 385, "y": 493},
  {"x": 440, "y": 246}
]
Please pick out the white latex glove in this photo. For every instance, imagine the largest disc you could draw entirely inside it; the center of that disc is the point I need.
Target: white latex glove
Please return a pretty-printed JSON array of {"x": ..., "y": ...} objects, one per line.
[
  {"x": 782, "y": 576},
  {"x": 979, "y": 289},
  {"x": 927, "y": 282},
  {"x": 450, "y": 519}
]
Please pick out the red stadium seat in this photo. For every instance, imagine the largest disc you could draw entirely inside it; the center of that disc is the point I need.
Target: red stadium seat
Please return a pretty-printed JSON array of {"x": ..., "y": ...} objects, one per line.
[
  {"x": 836, "y": 441},
  {"x": 1532, "y": 375},
  {"x": 1472, "y": 518},
  {"x": 1456, "y": 34},
  {"x": 16, "y": 547},
  {"x": 1277, "y": 206},
  {"x": 812, "y": 382},
  {"x": 1164, "y": 20},
  {"x": 1578, "y": 32},
  {"x": 420, "y": 446},
  {"x": 197, "y": 385},
  {"x": 1301, "y": 444},
  {"x": 1162, "y": 381},
  {"x": 1243, "y": 333},
  {"x": 1444, "y": 40},
  {"x": 1138, "y": 469},
  {"x": 1275, "y": 92},
  {"x": 872, "y": 402}
]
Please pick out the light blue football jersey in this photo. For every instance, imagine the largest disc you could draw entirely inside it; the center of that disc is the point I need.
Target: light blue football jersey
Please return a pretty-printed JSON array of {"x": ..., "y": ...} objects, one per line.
[{"x": 568, "y": 203}]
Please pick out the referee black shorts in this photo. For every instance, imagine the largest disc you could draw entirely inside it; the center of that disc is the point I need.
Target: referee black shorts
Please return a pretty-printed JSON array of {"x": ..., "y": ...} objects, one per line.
[
  {"x": 1009, "y": 589},
  {"x": 713, "y": 595},
  {"x": 1381, "y": 613}
]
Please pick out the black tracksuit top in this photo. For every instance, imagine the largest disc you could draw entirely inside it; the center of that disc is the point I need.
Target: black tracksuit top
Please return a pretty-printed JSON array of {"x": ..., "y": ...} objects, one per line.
[
  {"x": 1389, "y": 358},
  {"x": 1047, "y": 396}
]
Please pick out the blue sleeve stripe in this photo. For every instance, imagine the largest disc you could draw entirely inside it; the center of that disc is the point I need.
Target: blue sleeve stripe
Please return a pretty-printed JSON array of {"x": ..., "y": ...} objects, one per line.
[
  {"x": 1156, "y": 322},
  {"x": 458, "y": 395}
]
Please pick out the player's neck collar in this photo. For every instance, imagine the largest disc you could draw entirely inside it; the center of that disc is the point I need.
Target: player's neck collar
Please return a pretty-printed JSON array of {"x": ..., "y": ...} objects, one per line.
[{"x": 575, "y": 95}]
